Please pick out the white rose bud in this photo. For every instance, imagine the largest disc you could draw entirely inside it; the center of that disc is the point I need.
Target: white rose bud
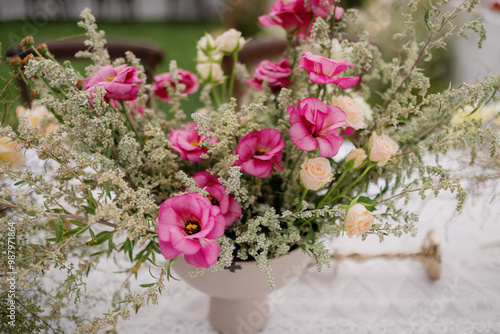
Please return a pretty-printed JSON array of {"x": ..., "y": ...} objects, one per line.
[
  {"x": 354, "y": 114},
  {"x": 382, "y": 148},
  {"x": 316, "y": 173},
  {"x": 206, "y": 43},
  {"x": 358, "y": 220},
  {"x": 210, "y": 72},
  {"x": 230, "y": 41},
  {"x": 358, "y": 155}
]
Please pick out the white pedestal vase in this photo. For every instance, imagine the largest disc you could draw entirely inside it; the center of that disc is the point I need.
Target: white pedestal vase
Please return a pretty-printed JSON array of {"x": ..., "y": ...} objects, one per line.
[{"x": 239, "y": 296}]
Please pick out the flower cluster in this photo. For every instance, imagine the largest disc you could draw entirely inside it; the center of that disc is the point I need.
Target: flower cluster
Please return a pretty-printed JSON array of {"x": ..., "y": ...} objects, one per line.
[{"x": 322, "y": 141}]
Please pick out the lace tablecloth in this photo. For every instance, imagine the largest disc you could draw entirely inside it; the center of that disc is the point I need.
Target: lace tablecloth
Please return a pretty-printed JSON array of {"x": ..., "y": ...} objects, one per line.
[{"x": 377, "y": 296}]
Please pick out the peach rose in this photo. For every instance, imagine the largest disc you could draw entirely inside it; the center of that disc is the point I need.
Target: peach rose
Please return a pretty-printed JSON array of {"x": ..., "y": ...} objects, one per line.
[
  {"x": 382, "y": 148},
  {"x": 10, "y": 153},
  {"x": 358, "y": 220},
  {"x": 38, "y": 115},
  {"x": 358, "y": 155},
  {"x": 316, "y": 173},
  {"x": 355, "y": 116}
]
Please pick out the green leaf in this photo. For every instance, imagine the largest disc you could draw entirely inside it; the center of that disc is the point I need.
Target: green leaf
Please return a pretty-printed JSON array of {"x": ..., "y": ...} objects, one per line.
[
  {"x": 367, "y": 202},
  {"x": 18, "y": 183},
  {"x": 101, "y": 237},
  {"x": 426, "y": 19},
  {"x": 31, "y": 213},
  {"x": 89, "y": 210},
  {"x": 59, "y": 229},
  {"x": 77, "y": 223},
  {"x": 92, "y": 235},
  {"x": 147, "y": 285}
]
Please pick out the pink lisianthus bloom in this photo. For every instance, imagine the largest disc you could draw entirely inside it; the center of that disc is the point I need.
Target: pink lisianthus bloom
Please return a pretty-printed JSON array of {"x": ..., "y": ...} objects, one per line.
[
  {"x": 188, "y": 224},
  {"x": 120, "y": 83},
  {"x": 133, "y": 108},
  {"x": 321, "y": 8},
  {"x": 322, "y": 70},
  {"x": 259, "y": 152},
  {"x": 187, "y": 143},
  {"x": 276, "y": 74},
  {"x": 314, "y": 124},
  {"x": 230, "y": 208},
  {"x": 291, "y": 15},
  {"x": 190, "y": 80}
]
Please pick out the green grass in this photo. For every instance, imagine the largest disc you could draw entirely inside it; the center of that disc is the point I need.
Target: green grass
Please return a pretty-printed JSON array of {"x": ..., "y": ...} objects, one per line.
[{"x": 177, "y": 40}]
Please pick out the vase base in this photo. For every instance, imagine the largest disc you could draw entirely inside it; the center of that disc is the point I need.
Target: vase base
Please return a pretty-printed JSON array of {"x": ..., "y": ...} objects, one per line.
[{"x": 247, "y": 316}]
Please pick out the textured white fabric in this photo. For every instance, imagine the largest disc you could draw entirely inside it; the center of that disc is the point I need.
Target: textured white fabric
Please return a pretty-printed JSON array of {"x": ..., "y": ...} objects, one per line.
[{"x": 377, "y": 296}]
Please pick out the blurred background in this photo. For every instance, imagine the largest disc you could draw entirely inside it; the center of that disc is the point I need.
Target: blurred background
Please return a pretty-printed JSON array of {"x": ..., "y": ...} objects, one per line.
[{"x": 172, "y": 27}]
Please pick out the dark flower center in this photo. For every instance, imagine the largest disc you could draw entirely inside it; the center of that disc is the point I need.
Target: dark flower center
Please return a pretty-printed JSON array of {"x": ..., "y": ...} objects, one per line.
[
  {"x": 192, "y": 227},
  {"x": 262, "y": 151},
  {"x": 213, "y": 200}
]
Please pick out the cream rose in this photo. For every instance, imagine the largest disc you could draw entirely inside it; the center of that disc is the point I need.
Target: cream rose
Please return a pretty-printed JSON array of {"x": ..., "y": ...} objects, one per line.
[
  {"x": 9, "y": 153},
  {"x": 206, "y": 43},
  {"x": 358, "y": 220},
  {"x": 38, "y": 115},
  {"x": 355, "y": 116},
  {"x": 382, "y": 148},
  {"x": 358, "y": 155},
  {"x": 316, "y": 173},
  {"x": 230, "y": 41},
  {"x": 210, "y": 71}
]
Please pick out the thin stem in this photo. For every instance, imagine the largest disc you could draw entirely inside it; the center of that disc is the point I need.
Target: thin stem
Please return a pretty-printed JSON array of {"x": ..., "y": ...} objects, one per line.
[
  {"x": 370, "y": 165},
  {"x": 299, "y": 205},
  {"x": 291, "y": 171},
  {"x": 215, "y": 95},
  {"x": 129, "y": 121},
  {"x": 231, "y": 80}
]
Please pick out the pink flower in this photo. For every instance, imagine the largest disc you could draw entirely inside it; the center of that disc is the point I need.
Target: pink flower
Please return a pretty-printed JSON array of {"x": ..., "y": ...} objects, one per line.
[
  {"x": 322, "y": 70},
  {"x": 133, "y": 108},
  {"x": 120, "y": 83},
  {"x": 259, "y": 152},
  {"x": 187, "y": 143},
  {"x": 319, "y": 8},
  {"x": 291, "y": 15},
  {"x": 276, "y": 74},
  {"x": 230, "y": 208},
  {"x": 188, "y": 224},
  {"x": 314, "y": 124},
  {"x": 187, "y": 78}
]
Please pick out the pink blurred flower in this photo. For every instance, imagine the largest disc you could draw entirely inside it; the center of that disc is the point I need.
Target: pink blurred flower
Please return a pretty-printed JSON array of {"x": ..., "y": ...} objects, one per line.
[
  {"x": 133, "y": 107},
  {"x": 321, "y": 8},
  {"x": 322, "y": 70},
  {"x": 188, "y": 224},
  {"x": 314, "y": 124},
  {"x": 187, "y": 143},
  {"x": 259, "y": 152},
  {"x": 276, "y": 74},
  {"x": 291, "y": 15},
  {"x": 120, "y": 83},
  {"x": 230, "y": 208},
  {"x": 190, "y": 80}
]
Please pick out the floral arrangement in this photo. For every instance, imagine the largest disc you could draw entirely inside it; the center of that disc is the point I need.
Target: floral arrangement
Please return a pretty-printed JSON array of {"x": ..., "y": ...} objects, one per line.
[{"x": 324, "y": 142}]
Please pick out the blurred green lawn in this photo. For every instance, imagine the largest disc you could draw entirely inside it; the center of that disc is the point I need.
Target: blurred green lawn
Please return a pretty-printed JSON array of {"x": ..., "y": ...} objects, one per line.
[{"x": 177, "y": 40}]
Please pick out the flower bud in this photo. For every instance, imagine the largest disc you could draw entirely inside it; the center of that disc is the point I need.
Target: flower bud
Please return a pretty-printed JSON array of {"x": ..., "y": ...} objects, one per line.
[
  {"x": 206, "y": 43},
  {"x": 15, "y": 62},
  {"x": 358, "y": 220},
  {"x": 230, "y": 41},
  {"x": 27, "y": 42},
  {"x": 358, "y": 155},
  {"x": 210, "y": 72},
  {"x": 382, "y": 148},
  {"x": 43, "y": 50},
  {"x": 316, "y": 173}
]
